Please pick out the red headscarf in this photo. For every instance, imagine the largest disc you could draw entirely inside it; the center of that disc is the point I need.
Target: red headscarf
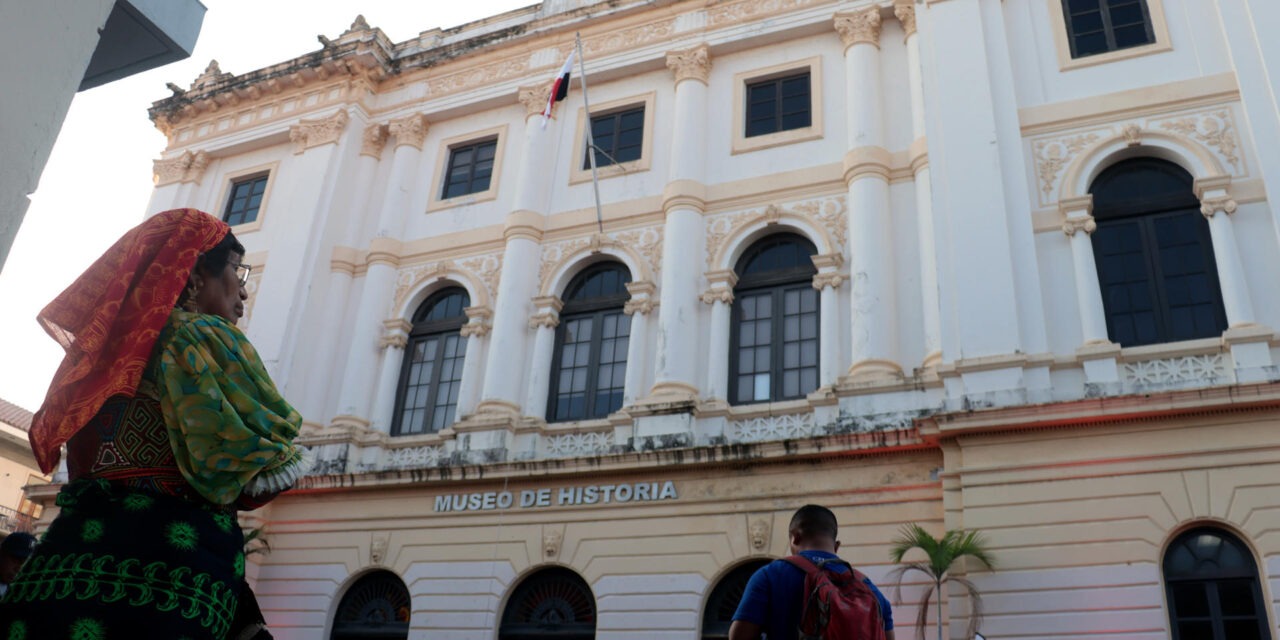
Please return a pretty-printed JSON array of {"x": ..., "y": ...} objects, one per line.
[{"x": 109, "y": 318}]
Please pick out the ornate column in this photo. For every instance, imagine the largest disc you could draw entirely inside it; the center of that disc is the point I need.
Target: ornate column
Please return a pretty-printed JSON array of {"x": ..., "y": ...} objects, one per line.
[
  {"x": 675, "y": 366},
  {"x": 1079, "y": 226},
  {"x": 395, "y": 337},
  {"x": 504, "y": 380},
  {"x": 866, "y": 172},
  {"x": 1215, "y": 199},
  {"x": 720, "y": 296},
  {"x": 379, "y": 280},
  {"x": 474, "y": 331},
  {"x": 322, "y": 382},
  {"x": 641, "y": 304},
  {"x": 827, "y": 281},
  {"x": 544, "y": 324},
  {"x": 930, "y": 305}
]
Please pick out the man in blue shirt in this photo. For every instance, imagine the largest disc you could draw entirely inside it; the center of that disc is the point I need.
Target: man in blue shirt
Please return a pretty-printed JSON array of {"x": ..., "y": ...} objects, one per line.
[{"x": 774, "y": 598}]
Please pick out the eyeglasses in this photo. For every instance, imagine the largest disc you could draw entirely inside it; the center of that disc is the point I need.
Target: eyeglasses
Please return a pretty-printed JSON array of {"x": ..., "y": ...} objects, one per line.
[{"x": 242, "y": 272}]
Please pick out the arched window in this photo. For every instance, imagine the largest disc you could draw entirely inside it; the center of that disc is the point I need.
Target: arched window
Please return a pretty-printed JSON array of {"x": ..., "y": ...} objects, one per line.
[
  {"x": 590, "y": 363},
  {"x": 774, "y": 342},
  {"x": 432, "y": 372},
  {"x": 552, "y": 603},
  {"x": 1212, "y": 585},
  {"x": 724, "y": 599},
  {"x": 377, "y": 607},
  {"x": 1154, "y": 254}
]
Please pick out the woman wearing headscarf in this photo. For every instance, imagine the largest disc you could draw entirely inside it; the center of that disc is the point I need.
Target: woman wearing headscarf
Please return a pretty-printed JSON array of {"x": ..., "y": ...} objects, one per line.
[{"x": 171, "y": 424}]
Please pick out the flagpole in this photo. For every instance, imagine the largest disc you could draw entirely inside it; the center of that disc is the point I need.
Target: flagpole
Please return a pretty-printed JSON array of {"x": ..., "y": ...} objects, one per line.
[{"x": 591, "y": 143}]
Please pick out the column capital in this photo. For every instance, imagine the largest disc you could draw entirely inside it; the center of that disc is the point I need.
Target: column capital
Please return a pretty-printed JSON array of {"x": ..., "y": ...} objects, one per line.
[
  {"x": 859, "y": 27},
  {"x": 906, "y": 13},
  {"x": 373, "y": 140},
  {"x": 642, "y": 306},
  {"x": 867, "y": 161},
  {"x": 547, "y": 319},
  {"x": 548, "y": 304},
  {"x": 410, "y": 130},
  {"x": 831, "y": 279},
  {"x": 691, "y": 64},
  {"x": 385, "y": 250},
  {"x": 478, "y": 323},
  {"x": 319, "y": 131},
  {"x": 1209, "y": 206},
  {"x": 828, "y": 261},
  {"x": 395, "y": 333},
  {"x": 188, "y": 167},
  {"x": 725, "y": 277},
  {"x": 717, "y": 294},
  {"x": 1083, "y": 223},
  {"x": 534, "y": 98}
]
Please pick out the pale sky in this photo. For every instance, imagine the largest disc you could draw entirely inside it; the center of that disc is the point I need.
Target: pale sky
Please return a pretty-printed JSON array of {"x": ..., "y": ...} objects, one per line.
[{"x": 98, "y": 179}]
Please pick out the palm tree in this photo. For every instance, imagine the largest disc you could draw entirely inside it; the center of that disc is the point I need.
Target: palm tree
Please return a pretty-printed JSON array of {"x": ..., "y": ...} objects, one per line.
[{"x": 941, "y": 554}]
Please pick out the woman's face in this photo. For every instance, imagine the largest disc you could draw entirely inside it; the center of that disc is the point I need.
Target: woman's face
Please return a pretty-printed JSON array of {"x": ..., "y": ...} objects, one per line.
[{"x": 221, "y": 294}]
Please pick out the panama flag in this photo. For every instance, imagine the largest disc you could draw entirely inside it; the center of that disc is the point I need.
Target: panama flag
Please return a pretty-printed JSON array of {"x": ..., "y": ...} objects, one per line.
[{"x": 560, "y": 88}]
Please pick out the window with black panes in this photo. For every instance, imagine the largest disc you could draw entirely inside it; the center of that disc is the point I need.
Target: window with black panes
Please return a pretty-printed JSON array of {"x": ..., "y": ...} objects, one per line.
[
  {"x": 244, "y": 200},
  {"x": 427, "y": 395},
  {"x": 589, "y": 366},
  {"x": 470, "y": 168},
  {"x": 618, "y": 137},
  {"x": 1100, "y": 26},
  {"x": 774, "y": 339},
  {"x": 778, "y": 104}
]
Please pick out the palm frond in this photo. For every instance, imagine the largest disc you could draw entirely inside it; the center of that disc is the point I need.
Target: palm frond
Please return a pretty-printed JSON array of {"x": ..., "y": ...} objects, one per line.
[
  {"x": 898, "y": 574},
  {"x": 941, "y": 554},
  {"x": 975, "y": 607},
  {"x": 922, "y": 618}
]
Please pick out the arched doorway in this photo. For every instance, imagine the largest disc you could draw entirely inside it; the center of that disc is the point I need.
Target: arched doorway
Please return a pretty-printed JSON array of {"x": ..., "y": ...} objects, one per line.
[
  {"x": 552, "y": 603},
  {"x": 376, "y": 607},
  {"x": 724, "y": 599}
]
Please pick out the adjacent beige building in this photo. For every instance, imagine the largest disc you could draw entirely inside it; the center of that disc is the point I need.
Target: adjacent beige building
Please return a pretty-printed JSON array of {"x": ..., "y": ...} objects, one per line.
[{"x": 965, "y": 263}]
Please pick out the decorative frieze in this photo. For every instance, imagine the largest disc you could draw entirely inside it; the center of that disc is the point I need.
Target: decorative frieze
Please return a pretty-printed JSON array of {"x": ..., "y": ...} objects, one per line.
[
  {"x": 415, "y": 457},
  {"x": 410, "y": 130},
  {"x": 750, "y": 10},
  {"x": 313, "y": 133},
  {"x": 479, "y": 270},
  {"x": 574, "y": 445},
  {"x": 1215, "y": 129},
  {"x": 644, "y": 246},
  {"x": 691, "y": 64},
  {"x": 1192, "y": 370},
  {"x": 828, "y": 214},
  {"x": 766, "y": 428},
  {"x": 859, "y": 27}
]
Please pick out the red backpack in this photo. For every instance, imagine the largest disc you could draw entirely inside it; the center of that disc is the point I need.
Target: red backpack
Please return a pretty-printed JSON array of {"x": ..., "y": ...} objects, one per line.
[{"x": 837, "y": 606}]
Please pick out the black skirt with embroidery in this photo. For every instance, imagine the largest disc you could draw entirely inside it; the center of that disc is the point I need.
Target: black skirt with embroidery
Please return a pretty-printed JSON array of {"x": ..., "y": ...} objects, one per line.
[{"x": 121, "y": 563}]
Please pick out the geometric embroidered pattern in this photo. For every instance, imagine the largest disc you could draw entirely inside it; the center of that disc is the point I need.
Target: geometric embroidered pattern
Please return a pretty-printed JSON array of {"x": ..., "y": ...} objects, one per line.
[{"x": 195, "y": 596}]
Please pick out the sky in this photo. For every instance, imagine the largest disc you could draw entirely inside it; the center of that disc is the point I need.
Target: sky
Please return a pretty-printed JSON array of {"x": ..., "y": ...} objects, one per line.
[{"x": 98, "y": 179}]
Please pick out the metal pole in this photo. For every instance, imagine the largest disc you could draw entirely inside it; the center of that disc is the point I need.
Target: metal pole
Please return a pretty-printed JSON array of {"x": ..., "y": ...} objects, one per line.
[{"x": 591, "y": 143}]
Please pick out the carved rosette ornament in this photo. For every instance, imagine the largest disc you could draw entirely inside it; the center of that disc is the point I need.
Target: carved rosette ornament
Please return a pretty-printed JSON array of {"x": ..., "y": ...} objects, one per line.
[
  {"x": 313, "y": 133},
  {"x": 691, "y": 64},
  {"x": 534, "y": 99},
  {"x": 1074, "y": 224},
  {"x": 1212, "y": 205},
  {"x": 410, "y": 130},
  {"x": 373, "y": 140},
  {"x": 859, "y": 27},
  {"x": 906, "y": 13}
]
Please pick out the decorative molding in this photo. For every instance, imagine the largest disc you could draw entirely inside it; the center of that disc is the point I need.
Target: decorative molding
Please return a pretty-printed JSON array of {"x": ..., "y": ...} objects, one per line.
[
  {"x": 378, "y": 549},
  {"x": 373, "y": 140},
  {"x": 1083, "y": 223},
  {"x": 319, "y": 131},
  {"x": 643, "y": 246},
  {"x": 717, "y": 294},
  {"x": 548, "y": 319},
  {"x": 394, "y": 339},
  {"x": 481, "y": 272},
  {"x": 534, "y": 98},
  {"x": 1202, "y": 370},
  {"x": 639, "y": 305},
  {"x": 1213, "y": 204},
  {"x": 551, "y": 542},
  {"x": 831, "y": 279},
  {"x": 859, "y": 27},
  {"x": 828, "y": 214},
  {"x": 1054, "y": 154},
  {"x": 751, "y": 10},
  {"x": 691, "y": 64},
  {"x": 906, "y": 14},
  {"x": 478, "y": 322},
  {"x": 212, "y": 75},
  {"x": 1214, "y": 129},
  {"x": 1132, "y": 135},
  {"x": 477, "y": 329},
  {"x": 410, "y": 130},
  {"x": 415, "y": 457},
  {"x": 188, "y": 167},
  {"x": 573, "y": 445},
  {"x": 765, "y": 428}
]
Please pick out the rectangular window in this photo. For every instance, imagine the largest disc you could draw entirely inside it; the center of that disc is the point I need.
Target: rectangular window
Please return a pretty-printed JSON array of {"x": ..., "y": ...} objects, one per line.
[
  {"x": 778, "y": 104},
  {"x": 245, "y": 200},
  {"x": 470, "y": 168},
  {"x": 618, "y": 136},
  {"x": 1101, "y": 26}
]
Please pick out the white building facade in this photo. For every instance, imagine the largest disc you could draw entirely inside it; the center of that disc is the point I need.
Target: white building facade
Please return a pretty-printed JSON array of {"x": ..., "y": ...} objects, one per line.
[{"x": 967, "y": 263}]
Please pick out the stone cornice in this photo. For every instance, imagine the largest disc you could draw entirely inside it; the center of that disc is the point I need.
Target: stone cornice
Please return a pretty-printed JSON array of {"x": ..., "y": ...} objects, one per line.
[
  {"x": 320, "y": 131},
  {"x": 188, "y": 167},
  {"x": 859, "y": 27},
  {"x": 691, "y": 64}
]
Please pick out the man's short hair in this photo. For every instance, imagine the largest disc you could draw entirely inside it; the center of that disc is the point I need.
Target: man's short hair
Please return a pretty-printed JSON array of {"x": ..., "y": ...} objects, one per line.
[{"x": 813, "y": 521}]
